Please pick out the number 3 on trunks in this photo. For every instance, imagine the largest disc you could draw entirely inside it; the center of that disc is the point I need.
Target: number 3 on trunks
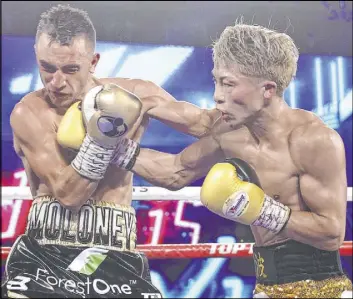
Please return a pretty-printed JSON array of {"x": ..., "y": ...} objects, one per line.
[{"x": 18, "y": 283}]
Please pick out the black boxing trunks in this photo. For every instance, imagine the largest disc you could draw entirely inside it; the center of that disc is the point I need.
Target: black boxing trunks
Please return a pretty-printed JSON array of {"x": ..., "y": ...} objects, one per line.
[
  {"x": 296, "y": 270},
  {"x": 88, "y": 254}
]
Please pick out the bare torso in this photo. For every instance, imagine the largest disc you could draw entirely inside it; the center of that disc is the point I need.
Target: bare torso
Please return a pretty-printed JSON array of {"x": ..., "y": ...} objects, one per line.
[
  {"x": 116, "y": 186},
  {"x": 273, "y": 163}
]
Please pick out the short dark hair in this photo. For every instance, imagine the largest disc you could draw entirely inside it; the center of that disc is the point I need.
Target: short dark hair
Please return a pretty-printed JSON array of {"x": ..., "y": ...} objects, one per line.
[{"x": 62, "y": 23}]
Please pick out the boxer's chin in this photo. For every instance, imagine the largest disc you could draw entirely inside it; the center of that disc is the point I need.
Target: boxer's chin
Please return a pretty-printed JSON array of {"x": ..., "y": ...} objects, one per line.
[
  {"x": 61, "y": 101},
  {"x": 234, "y": 123},
  {"x": 237, "y": 125}
]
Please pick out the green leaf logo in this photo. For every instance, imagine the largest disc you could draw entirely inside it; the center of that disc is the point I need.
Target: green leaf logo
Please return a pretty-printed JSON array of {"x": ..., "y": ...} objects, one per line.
[{"x": 88, "y": 261}]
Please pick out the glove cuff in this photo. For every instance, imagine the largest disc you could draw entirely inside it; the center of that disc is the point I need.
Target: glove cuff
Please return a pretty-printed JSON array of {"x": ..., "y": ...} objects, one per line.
[
  {"x": 126, "y": 153},
  {"x": 274, "y": 215},
  {"x": 93, "y": 159}
]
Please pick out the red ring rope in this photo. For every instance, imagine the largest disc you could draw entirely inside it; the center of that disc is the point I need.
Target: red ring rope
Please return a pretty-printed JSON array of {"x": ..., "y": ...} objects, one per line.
[{"x": 206, "y": 250}]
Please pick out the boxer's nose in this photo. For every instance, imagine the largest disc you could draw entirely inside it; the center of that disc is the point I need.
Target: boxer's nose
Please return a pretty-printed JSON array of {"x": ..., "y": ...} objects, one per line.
[{"x": 58, "y": 80}]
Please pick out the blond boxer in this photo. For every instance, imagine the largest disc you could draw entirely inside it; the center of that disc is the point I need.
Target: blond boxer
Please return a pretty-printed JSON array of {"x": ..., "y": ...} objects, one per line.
[{"x": 280, "y": 170}]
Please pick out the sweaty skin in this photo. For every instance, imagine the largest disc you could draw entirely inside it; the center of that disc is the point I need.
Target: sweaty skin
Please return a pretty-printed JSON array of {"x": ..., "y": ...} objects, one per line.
[
  {"x": 67, "y": 74},
  {"x": 298, "y": 159}
]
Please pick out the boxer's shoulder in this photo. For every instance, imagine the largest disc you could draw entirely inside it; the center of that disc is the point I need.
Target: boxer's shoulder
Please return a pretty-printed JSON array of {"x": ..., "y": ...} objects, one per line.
[
  {"x": 311, "y": 137},
  {"x": 34, "y": 101},
  {"x": 309, "y": 129},
  {"x": 34, "y": 97},
  {"x": 22, "y": 109},
  {"x": 31, "y": 107}
]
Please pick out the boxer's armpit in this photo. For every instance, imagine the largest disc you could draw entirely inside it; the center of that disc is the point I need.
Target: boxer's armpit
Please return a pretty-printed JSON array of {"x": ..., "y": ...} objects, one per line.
[
  {"x": 319, "y": 154},
  {"x": 177, "y": 171},
  {"x": 41, "y": 151}
]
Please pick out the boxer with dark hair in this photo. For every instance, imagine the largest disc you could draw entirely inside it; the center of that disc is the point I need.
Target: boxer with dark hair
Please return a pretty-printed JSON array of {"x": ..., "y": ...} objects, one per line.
[{"x": 77, "y": 137}]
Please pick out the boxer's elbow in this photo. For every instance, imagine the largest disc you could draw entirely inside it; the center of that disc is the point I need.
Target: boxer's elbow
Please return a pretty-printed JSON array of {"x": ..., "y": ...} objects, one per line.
[
  {"x": 67, "y": 200},
  {"x": 174, "y": 185},
  {"x": 331, "y": 244},
  {"x": 72, "y": 196},
  {"x": 69, "y": 205},
  {"x": 333, "y": 234},
  {"x": 177, "y": 181}
]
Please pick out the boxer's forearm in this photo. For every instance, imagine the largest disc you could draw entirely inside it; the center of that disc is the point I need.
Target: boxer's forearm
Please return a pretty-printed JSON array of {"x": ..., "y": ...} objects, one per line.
[
  {"x": 158, "y": 168},
  {"x": 312, "y": 229},
  {"x": 71, "y": 189}
]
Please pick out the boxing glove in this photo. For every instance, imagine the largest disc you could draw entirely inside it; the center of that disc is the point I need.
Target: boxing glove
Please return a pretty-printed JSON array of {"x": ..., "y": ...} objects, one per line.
[
  {"x": 108, "y": 113},
  {"x": 232, "y": 190},
  {"x": 71, "y": 130}
]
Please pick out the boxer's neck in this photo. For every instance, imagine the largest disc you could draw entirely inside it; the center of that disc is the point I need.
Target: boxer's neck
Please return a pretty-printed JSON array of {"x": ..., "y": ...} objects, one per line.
[{"x": 269, "y": 121}]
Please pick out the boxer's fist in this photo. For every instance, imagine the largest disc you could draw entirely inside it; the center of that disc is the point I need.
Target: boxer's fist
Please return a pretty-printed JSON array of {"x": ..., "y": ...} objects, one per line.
[
  {"x": 71, "y": 130},
  {"x": 223, "y": 186},
  {"x": 232, "y": 190},
  {"x": 109, "y": 112}
]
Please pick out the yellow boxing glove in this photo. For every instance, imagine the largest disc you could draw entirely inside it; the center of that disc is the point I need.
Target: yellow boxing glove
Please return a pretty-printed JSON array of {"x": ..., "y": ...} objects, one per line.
[
  {"x": 71, "y": 130},
  {"x": 232, "y": 190}
]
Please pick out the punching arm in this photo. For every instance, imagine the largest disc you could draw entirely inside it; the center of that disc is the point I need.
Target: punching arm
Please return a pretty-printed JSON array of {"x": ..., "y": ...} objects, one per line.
[
  {"x": 180, "y": 115},
  {"x": 177, "y": 171}
]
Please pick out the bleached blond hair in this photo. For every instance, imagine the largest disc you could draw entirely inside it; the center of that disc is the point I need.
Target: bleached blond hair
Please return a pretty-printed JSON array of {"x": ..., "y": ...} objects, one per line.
[{"x": 258, "y": 52}]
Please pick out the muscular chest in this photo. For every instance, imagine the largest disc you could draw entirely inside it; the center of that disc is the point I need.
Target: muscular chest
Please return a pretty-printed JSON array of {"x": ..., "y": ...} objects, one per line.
[{"x": 272, "y": 163}]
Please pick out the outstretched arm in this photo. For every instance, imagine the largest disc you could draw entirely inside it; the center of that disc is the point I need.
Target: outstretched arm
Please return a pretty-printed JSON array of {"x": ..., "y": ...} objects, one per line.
[
  {"x": 177, "y": 171},
  {"x": 319, "y": 153},
  {"x": 180, "y": 115}
]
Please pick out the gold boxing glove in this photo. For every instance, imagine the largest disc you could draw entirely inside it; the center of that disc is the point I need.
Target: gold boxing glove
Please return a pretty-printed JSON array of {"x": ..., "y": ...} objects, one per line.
[
  {"x": 232, "y": 190},
  {"x": 108, "y": 113}
]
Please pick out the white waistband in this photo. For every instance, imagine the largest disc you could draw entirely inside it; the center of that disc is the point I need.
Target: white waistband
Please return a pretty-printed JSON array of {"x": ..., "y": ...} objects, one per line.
[{"x": 96, "y": 224}]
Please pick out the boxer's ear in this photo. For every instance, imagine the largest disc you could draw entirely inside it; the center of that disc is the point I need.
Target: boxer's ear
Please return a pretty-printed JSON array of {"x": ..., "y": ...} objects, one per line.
[
  {"x": 94, "y": 62},
  {"x": 269, "y": 89}
]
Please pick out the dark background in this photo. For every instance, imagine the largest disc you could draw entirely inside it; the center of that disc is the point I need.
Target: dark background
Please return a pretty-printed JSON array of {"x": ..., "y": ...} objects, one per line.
[{"x": 318, "y": 27}]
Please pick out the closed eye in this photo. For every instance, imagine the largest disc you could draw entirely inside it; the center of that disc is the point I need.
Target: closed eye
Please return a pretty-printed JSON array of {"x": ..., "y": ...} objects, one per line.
[
  {"x": 49, "y": 70},
  {"x": 70, "y": 70},
  {"x": 47, "y": 67}
]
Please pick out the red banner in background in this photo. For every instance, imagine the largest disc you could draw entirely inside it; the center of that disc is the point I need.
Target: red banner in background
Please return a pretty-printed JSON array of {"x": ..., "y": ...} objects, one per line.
[
  {"x": 13, "y": 212},
  {"x": 13, "y": 218}
]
